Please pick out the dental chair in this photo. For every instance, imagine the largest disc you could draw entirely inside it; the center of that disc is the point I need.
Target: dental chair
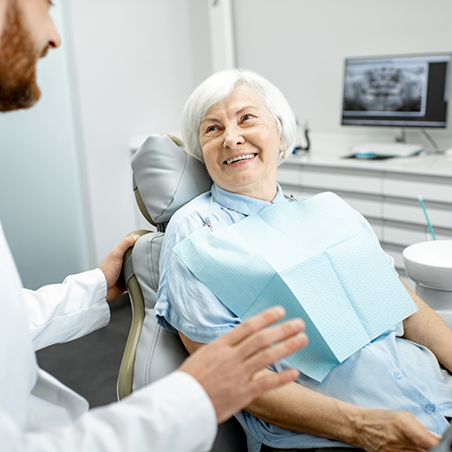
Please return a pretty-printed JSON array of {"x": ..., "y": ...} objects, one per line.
[{"x": 165, "y": 178}]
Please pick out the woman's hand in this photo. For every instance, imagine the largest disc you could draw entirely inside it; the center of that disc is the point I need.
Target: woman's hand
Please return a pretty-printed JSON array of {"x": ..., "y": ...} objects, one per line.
[
  {"x": 299, "y": 409},
  {"x": 392, "y": 431}
]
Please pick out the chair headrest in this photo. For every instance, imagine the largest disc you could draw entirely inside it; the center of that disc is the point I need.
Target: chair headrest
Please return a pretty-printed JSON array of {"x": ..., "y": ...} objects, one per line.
[{"x": 166, "y": 178}]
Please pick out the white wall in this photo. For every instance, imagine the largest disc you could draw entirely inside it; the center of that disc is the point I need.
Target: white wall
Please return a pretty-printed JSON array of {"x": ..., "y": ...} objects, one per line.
[
  {"x": 124, "y": 70},
  {"x": 133, "y": 67},
  {"x": 300, "y": 45},
  {"x": 41, "y": 198},
  {"x": 134, "y": 64}
]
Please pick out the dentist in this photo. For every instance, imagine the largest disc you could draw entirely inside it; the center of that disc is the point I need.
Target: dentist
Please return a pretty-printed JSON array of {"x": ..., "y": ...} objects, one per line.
[{"x": 37, "y": 412}]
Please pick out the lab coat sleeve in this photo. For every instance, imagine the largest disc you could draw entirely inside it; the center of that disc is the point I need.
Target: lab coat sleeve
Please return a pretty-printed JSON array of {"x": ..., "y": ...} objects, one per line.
[
  {"x": 63, "y": 312},
  {"x": 173, "y": 414}
]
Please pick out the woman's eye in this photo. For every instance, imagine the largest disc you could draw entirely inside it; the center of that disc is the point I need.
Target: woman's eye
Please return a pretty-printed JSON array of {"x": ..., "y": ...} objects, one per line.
[
  {"x": 246, "y": 118},
  {"x": 211, "y": 129}
]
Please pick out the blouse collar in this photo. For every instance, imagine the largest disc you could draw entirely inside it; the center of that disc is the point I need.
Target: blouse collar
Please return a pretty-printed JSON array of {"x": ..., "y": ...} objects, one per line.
[{"x": 241, "y": 203}]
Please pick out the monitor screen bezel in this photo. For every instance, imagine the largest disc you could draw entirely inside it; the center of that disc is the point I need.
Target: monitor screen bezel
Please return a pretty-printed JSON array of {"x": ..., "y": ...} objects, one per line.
[{"x": 408, "y": 56}]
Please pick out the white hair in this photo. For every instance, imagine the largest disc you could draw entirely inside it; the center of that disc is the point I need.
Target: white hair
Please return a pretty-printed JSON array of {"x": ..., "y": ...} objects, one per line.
[{"x": 219, "y": 86}]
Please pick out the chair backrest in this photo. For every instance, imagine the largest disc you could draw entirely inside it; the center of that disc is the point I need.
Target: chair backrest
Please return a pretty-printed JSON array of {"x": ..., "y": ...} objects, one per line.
[{"x": 165, "y": 178}]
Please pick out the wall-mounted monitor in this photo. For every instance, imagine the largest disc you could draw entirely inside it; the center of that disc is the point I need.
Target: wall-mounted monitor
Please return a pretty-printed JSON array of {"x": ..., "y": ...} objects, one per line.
[{"x": 398, "y": 91}]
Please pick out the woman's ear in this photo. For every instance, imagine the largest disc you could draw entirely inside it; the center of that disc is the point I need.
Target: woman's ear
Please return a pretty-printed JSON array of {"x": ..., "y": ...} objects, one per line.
[{"x": 282, "y": 146}]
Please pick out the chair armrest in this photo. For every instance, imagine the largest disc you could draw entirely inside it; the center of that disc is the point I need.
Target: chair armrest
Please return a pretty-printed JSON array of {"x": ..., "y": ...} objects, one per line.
[{"x": 125, "y": 376}]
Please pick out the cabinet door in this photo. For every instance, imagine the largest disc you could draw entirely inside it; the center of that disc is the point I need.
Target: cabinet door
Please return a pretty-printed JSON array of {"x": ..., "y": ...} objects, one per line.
[
  {"x": 339, "y": 180},
  {"x": 411, "y": 189},
  {"x": 289, "y": 175},
  {"x": 370, "y": 208},
  {"x": 441, "y": 217},
  {"x": 397, "y": 255},
  {"x": 377, "y": 228},
  {"x": 404, "y": 237}
]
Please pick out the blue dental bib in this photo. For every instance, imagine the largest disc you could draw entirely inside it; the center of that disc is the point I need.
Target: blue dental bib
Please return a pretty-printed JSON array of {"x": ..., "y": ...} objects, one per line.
[{"x": 314, "y": 258}]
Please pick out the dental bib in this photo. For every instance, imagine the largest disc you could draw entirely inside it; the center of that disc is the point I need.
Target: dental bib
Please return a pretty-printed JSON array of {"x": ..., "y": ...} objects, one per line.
[{"x": 314, "y": 258}]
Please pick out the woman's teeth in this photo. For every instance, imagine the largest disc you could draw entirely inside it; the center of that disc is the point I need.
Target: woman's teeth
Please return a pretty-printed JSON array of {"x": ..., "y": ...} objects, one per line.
[{"x": 239, "y": 158}]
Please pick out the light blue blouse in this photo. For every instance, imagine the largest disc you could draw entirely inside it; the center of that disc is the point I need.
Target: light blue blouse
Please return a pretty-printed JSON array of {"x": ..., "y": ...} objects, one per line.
[{"x": 390, "y": 372}]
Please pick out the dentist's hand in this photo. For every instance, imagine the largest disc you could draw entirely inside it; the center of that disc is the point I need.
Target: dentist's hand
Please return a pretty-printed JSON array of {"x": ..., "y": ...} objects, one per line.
[
  {"x": 112, "y": 266},
  {"x": 227, "y": 366}
]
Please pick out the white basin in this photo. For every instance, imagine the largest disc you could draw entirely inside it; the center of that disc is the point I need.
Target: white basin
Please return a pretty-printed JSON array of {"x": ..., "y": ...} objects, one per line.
[{"x": 430, "y": 263}]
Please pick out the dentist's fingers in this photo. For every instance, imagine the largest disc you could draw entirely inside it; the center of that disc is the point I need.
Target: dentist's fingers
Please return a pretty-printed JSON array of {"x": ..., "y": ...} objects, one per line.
[
  {"x": 252, "y": 325},
  {"x": 227, "y": 368},
  {"x": 263, "y": 339},
  {"x": 287, "y": 345},
  {"x": 111, "y": 266},
  {"x": 271, "y": 381}
]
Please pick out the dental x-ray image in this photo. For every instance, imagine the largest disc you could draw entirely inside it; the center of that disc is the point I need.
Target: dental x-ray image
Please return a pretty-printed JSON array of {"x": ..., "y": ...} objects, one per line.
[{"x": 385, "y": 88}]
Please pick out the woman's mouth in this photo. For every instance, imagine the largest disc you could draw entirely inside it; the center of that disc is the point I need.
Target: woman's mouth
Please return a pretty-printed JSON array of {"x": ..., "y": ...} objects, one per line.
[{"x": 239, "y": 158}]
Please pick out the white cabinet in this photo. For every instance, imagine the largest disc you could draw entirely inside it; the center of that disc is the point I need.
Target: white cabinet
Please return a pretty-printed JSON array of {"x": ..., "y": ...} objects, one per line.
[
  {"x": 385, "y": 192},
  {"x": 341, "y": 181},
  {"x": 410, "y": 187},
  {"x": 369, "y": 207},
  {"x": 290, "y": 175}
]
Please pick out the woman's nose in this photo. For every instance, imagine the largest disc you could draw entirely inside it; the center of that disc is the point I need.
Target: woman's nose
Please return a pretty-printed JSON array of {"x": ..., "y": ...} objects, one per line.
[{"x": 233, "y": 137}]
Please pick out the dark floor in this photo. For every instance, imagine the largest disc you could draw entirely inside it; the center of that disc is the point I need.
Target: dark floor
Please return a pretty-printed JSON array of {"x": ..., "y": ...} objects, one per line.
[{"x": 90, "y": 365}]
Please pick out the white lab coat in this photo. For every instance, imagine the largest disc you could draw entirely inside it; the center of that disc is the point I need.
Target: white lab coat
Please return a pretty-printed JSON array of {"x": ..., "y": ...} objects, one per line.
[{"x": 38, "y": 413}]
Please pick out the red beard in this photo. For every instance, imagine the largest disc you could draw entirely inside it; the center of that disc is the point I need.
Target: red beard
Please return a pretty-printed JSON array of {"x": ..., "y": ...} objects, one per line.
[{"x": 18, "y": 57}]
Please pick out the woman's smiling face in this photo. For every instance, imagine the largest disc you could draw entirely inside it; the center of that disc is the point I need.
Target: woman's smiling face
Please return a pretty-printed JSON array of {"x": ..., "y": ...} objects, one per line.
[{"x": 240, "y": 143}]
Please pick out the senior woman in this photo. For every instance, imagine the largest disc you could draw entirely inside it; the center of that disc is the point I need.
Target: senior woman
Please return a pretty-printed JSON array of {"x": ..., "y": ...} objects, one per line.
[{"x": 389, "y": 395}]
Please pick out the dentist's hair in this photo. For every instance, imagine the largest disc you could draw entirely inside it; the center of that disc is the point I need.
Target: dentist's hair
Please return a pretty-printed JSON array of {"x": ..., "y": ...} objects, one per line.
[{"x": 218, "y": 87}]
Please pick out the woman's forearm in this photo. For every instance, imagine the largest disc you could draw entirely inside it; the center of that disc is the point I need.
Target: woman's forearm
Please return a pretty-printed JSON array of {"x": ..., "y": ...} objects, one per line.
[
  {"x": 426, "y": 327},
  {"x": 296, "y": 408}
]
